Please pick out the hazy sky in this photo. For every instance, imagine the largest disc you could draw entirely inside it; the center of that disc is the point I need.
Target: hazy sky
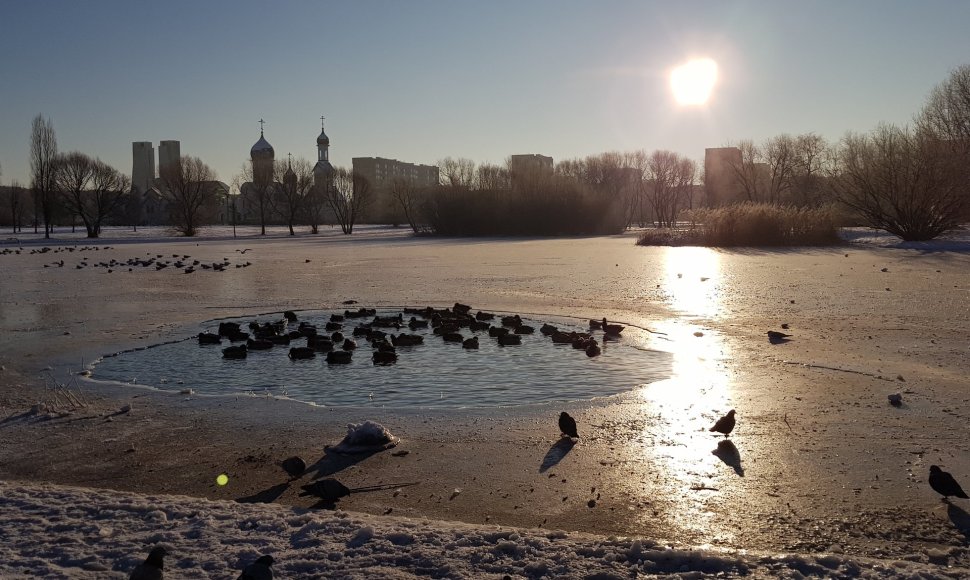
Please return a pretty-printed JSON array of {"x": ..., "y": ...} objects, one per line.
[{"x": 421, "y": 80}]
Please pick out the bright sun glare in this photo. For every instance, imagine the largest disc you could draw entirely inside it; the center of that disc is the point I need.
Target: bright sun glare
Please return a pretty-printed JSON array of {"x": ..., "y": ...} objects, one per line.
[{"x": 693, "y": 81}]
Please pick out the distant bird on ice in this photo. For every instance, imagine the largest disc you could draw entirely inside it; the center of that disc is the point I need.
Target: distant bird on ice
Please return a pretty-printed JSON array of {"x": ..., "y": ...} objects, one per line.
[
  {"x": 151, "y": 568},
  {"x": 775, "y": 337},
  {"x": 258, "y": 570},
  {"x": 568, "y": 425},
  {"x": 944, "y": 484},
  {"x": 725, "y": 424}
]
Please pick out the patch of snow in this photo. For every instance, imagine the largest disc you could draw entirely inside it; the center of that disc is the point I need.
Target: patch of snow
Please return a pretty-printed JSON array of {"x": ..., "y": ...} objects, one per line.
[
  {"x": 365, "y": 437},
  {"x": 76, "y": 533},
  {"x": 955, "y": 241}
]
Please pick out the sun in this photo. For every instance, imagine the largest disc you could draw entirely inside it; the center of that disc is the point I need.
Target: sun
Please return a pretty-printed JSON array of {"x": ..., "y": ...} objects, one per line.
[{"x": 693, "y": 81}]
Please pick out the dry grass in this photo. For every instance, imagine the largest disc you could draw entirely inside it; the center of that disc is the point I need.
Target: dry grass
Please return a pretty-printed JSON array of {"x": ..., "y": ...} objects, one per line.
[{"x": 752, "y": 225}]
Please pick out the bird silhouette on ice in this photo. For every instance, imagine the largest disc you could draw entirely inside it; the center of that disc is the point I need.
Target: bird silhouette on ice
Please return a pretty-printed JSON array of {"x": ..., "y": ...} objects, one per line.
[
  {"x": 568, "y": 425},
  {"x": 151, "y": 568},
  {"x": 725, "y": 424},
  {"x": 258, "y": 570},
  {"x": 775, "y": 337},
  {"x": 944, "y": 484}
]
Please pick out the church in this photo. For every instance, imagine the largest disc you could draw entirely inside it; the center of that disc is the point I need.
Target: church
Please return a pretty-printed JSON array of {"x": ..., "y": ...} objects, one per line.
[{"x": 262, "y": 183}]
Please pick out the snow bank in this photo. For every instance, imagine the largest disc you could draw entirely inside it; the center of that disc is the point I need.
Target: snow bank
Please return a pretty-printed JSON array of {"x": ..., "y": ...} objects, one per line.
[
  {"x": 64, "y": 532},
  {"x": 365, "y": 437},
  {"x": 955, "y": 241}
]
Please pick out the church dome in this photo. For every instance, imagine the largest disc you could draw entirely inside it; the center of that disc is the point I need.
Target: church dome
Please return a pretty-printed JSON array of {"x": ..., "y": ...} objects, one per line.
[
  {"x": 323, "y": 139},
  {"x": 289, "y": 178},
  {"x": 262, "y": 148}
]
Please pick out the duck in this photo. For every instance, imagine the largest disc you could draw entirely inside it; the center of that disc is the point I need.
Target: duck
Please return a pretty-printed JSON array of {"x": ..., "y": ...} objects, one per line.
[
  {"x": 495, "y": 331},
  {"x": 209, "y": 338},
  {"x": 614, "y": 329},
  {"x": 382, "y": 357},
  {"x": 339, "y": 357},
  {"x": 235, "y": 352},
  {"x": 302, "y": 353}
]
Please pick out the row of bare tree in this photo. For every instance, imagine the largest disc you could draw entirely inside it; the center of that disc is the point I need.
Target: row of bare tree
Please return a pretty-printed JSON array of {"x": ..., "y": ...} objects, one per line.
[
  {"x": 912, "y": 181},
  {"x": 292, "y": 194},
  {"x": 648, "y": 187},
  {"x": 86, "y": 188}
]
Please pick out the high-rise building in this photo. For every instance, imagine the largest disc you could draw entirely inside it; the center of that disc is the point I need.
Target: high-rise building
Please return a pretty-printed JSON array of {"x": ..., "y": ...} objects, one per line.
[
  {"x": 143, "y": 166},
  {"x": 529, "y": 169},
  {"x": 168, "y": 153},
  {"x": 720, "y": 177},
  {"x": 530, "y": 161},
  {"x": 381, "y": 173}
]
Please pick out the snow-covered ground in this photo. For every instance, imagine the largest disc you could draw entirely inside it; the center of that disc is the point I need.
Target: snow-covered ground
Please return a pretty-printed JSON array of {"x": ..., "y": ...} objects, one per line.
[{"x": 68, "y": 532}]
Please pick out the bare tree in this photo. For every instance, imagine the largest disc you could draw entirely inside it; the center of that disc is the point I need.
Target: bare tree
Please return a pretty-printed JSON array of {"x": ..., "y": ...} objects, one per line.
[
  {"x": 899, "y": 181},
  {"x": 15, "y": 200},
  {"x": 685, "y": 178},
  {"x": 638, "y": 210},
  {"x": 90, "y": 189},
  {"x": 779, "y": 155},
  {"x": 349, "y": 197},
  {"x": 316, "y": 205},
  {"x": 457, "y": 173},
  {"x": 257, "y": 187},
  {"x": 946, "y": 114},
  {"x": 770, "y": 173},
  {"x": 43, "y": 156},
  {"x": 811, "y": 160},
  {"x": 292, "y": 187},
  {"x": 187, "y": 187},
  {"x": 662, "y": 172},
  {"x": 408, "y": 197},
  {"x": 490, "y": 177},
  {"x": 746, "y": 170},
  {"x": 945, "y": 118}
]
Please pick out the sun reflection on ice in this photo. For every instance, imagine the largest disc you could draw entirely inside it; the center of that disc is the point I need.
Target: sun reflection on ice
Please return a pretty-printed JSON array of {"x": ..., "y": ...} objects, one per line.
[
  {"x": 692, "y": 281},
  {"x": 676, "y": 445}
]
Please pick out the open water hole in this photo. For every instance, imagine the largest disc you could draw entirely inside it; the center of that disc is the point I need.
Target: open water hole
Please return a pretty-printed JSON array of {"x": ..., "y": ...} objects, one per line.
[{"x": 432, "y": 374}]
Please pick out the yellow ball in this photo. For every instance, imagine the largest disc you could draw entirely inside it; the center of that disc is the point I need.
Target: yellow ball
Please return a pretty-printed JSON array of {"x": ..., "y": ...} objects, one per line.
[{"x": 222, "y": 479}]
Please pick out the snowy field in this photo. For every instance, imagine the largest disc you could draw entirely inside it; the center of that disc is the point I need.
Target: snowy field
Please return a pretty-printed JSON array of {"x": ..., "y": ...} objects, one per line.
[{"x": 68, "y": 532}]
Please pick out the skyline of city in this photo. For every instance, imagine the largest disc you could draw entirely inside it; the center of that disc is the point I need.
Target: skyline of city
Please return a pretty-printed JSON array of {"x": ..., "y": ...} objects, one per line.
[{"x": 433, "y": 79}]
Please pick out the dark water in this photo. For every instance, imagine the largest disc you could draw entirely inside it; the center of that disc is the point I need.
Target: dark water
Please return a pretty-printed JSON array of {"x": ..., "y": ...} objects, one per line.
[{"x": 434, "y": 374}]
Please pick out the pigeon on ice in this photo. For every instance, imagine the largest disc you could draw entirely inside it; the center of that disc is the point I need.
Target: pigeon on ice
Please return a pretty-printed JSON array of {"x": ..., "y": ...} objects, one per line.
[
  {"x": 725, "y": 424},
  {"x": 568, "y": 425},
  {"x": 294, "y": 466},
  {"x": 258, "y": 570},
  {"x": 775, "y": 337},
  {"x": 151, "y": 568},
  {"x": 944, "y": 484}
]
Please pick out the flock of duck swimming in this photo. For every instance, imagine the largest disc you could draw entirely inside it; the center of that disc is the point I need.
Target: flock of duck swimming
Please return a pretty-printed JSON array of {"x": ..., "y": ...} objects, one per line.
[{"x": 386, "y": 333}]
